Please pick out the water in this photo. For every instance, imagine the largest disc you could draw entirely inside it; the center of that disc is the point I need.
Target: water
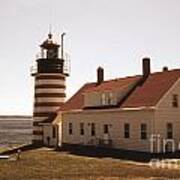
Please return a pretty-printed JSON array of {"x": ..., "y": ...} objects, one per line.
[{"x": 15, "y": 129}]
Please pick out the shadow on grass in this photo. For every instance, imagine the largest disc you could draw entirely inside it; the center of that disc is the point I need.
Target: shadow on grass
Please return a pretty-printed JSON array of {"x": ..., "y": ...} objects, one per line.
[{"x": 101, "y": 152}]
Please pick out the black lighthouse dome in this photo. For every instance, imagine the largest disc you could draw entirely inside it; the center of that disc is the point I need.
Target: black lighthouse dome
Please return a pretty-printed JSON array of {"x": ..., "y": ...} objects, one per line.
[{"x": 49, "y": 62}]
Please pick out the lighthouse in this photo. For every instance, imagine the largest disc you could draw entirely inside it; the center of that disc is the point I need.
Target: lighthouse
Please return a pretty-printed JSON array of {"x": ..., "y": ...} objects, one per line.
[{"x": 52, "y": 68}]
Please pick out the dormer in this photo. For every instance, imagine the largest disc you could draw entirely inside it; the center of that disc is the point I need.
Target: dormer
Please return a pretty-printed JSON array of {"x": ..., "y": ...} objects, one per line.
[
  {"x": 100, "y": 99},
  {"x": 108, "y": 93}
]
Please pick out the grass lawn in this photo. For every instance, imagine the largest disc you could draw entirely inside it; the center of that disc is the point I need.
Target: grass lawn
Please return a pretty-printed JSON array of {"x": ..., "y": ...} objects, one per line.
[{"x": 48, "y": 164}]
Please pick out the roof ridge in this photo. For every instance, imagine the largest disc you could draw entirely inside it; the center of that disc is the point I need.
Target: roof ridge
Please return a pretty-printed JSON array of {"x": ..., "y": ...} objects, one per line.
[
  {"x": 161, "y": 72},
  {"x": 133, "y": 76},
  {"x": 115, "y": 79},
  {"x": 137, "y": 75}
]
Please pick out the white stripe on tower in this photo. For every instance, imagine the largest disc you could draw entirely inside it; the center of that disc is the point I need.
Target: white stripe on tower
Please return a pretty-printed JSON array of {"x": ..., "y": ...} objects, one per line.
[
  {"x": 48, "y": 81},
  {"x": 49, "y": 99},
  {"x": 54, "y": 90}
]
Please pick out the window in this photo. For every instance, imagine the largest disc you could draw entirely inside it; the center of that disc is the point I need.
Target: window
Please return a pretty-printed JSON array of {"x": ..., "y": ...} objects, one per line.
[
  {"x": 103, "y": 99},
  {"x": 175, "y": 100},
  {"x": 93, "y": 132},
  {"x": 126, "y": 130},
  {"x": 110, "y": 98},
  {"x": 143, "y": 131},
  {"x": 54, "y": 132},
  {"x": 81, "y": 128},
  {"x": 169, "y": 131},
  {"x": 106, "y": 129},
  {"x": 107, "y": 98},
  {"x": 70, "y": 128}
]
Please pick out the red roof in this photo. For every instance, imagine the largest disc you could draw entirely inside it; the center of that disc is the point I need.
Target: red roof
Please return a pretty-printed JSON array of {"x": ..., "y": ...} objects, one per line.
[
  {"x": 148, "y": 94},
  {"x": 77, "y": 100},
  {"x": 156, "y": 85},
  {"x": 114, "y": 84}
]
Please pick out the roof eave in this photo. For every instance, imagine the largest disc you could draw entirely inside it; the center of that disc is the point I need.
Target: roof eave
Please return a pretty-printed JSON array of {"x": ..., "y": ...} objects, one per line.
[
  {"x": 142, "y": 108},
  {"x": 138, "y": 108}
]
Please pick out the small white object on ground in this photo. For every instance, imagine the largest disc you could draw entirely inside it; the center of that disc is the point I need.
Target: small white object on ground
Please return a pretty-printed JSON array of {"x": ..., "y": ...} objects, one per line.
[{"x": 4, "y": 157}]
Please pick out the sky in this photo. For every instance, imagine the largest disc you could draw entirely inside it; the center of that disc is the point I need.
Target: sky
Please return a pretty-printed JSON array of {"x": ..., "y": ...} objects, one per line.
[{"x": 114, "y": 34}]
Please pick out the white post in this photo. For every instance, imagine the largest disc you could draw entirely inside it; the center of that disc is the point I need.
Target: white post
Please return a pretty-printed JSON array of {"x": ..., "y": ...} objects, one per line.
[
  {"x": 158, "y": 143},
  {"x": 152, "y": 140},
  {"x": 60, "y": 133},
  {"x": 155, "y": 138},
  {"x": 173, "y": 146},
  {"x": 164, "y": 145}
]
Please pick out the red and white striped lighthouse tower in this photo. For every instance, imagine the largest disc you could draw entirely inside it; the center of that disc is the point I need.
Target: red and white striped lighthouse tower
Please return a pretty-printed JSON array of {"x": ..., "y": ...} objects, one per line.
[{"x": 50, "y": 78}]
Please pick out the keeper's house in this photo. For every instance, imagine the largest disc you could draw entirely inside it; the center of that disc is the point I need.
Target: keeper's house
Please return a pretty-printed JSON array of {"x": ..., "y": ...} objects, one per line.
[{"x": 140, "y": 113}]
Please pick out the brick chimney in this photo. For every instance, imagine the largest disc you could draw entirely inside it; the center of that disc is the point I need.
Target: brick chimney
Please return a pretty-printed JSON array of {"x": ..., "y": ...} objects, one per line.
[
  {"x": 100, "y": 75},
  {"x": 146, "y": 67}
]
